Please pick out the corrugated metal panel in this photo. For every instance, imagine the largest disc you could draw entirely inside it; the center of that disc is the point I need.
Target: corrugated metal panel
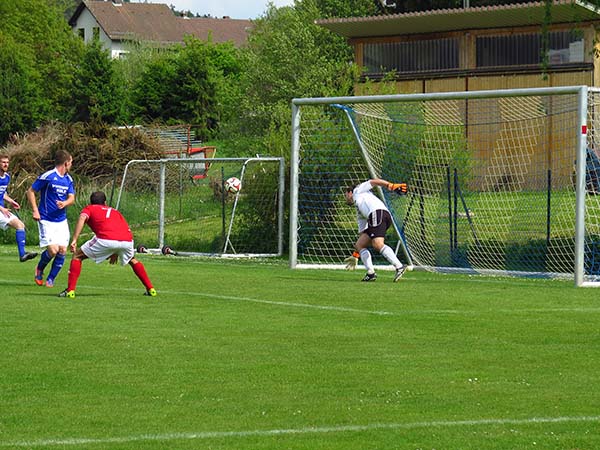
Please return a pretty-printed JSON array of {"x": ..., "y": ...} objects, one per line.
[
  {"x": 507, "y": 81},
  {"x": 582, "y": 78},
  {"x": 413, "y": 56},
  {"x": 525, "y": 49},
  {"x": 445, "y": 85},
  {"x": 502, "y": 16},
  {"x": 400, "y": 87},
  {"x": 410, "y": 87}
]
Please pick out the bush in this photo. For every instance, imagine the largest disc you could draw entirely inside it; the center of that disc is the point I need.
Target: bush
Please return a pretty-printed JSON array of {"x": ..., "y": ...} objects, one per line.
[{"x": 99, "y": 153}]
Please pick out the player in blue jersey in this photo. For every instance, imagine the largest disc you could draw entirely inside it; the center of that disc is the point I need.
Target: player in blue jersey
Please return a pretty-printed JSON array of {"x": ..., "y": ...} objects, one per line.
[
  {"x": 56, "y": 191},
  {"x": 7, "y": 218}
]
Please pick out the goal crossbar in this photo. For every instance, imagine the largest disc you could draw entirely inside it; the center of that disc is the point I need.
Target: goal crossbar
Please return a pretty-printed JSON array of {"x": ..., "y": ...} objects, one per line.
[{"x": 482, "y": 168}]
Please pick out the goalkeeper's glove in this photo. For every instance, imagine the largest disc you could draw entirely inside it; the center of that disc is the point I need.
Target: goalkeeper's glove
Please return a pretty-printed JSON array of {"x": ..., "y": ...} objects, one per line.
[
  {"x": 351, "y": 261},
  {"x": 398, "y": 188}
]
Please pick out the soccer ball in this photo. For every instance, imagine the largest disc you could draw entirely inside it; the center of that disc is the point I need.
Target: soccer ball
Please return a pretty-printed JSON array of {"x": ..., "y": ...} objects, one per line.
[{"x": 233, "y": 185}]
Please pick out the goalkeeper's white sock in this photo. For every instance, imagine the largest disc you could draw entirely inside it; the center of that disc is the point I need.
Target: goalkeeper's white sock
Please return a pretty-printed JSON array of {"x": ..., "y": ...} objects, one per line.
[
  {"x": 365, "y": 257},
  {"x": 387, "y": 252}
]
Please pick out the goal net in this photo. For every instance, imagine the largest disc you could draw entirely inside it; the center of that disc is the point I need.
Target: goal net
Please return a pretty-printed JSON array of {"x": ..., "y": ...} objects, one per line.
[
  {"x": 182, "y": 204},
  {"x": 500, "y": 182}
]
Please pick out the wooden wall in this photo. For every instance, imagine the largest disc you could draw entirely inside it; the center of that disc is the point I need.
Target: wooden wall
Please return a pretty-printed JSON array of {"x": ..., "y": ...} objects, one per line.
[{"x": 550, "y": 144}]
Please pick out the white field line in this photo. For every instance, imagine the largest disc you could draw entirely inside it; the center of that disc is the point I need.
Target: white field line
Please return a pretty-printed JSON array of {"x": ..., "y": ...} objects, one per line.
[
  {"x": 365, "y": 311},
  {"x": 287, "y": 304},
  {"x": 356, "y": 310},
  {"x": 235, "y": 298},
  {"x": 293, "y": 431},
  {"x": 310, "y": 430},
  {"x": 333, "y": 308}
]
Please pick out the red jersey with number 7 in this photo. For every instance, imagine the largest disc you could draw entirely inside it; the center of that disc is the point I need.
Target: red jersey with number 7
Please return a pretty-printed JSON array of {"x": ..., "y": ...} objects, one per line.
[{"x": 107, "y": 223}]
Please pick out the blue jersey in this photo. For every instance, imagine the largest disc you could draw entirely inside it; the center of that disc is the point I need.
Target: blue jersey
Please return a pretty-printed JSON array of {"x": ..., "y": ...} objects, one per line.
[
  {"x": 4, "y": 180},
  {"x": 53, "y": 187}
]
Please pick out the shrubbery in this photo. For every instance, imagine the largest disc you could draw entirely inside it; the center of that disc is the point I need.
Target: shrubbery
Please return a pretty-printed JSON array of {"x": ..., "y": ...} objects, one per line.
[{"x": 99, "y": 153}]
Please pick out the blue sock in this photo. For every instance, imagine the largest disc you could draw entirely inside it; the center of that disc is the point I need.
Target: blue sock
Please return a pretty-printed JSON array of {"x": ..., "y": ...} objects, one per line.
[
  {"x": 59, "y": 260},
  {"x": 44, "y": 260},
  {"x": 20, "y": 236}
]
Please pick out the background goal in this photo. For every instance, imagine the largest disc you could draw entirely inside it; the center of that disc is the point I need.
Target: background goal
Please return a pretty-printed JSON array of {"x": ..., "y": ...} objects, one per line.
[
  {"x": 181, "y": 203},
  {"x": 500, "y": 182}
]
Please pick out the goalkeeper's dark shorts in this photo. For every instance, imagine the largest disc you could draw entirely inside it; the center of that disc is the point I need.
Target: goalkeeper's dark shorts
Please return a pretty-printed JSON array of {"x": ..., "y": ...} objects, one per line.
[{"x": 379, "y": 221}]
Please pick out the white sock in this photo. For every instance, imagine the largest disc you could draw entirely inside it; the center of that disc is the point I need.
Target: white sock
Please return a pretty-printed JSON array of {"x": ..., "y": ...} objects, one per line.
[
  {"x": 365, "y": 257},
  {"x": 388, "y": 253}
]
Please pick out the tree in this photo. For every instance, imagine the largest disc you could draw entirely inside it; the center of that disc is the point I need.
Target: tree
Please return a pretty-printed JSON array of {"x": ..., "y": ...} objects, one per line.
[
  {"x": 194, "y": 88},
  {"x": 226, "y": 63},
  {"x": 97, "y": 93},
  {"x": 180, "y": 86},
  {"x": 288, "y": 56},
  {"x": 67, "y": 7},
  {"x": 48, "y": 49},
  {"x": 346, "y": 8},
  {"x": 150, "y": 91},
  {"x": 22, "y": 105}
]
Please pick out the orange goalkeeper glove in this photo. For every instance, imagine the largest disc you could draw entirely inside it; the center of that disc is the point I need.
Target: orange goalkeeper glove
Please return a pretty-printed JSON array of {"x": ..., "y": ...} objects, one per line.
[
  {"x": 351, "y": 261},
  {"x": 398, "y": 188}
]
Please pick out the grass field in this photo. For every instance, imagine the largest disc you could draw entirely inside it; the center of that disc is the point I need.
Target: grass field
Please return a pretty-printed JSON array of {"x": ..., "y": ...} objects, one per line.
[{"x": 253, "y": 355}]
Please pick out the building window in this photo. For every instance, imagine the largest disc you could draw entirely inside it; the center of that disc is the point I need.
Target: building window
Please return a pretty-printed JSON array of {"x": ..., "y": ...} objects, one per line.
[
  {"x": 119, "y": 54},
  {"x": 81, "y": 33},
  {"x": 413, "y": 56},
  {"x": 526, "y": 49},
  {"x": 96, "y": 32}
]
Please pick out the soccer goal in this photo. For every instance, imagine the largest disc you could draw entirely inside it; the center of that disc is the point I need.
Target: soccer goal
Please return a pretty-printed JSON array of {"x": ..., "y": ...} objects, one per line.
[
  {"x": 171, "y": 210},
  {"x": 500, "y": 182}
]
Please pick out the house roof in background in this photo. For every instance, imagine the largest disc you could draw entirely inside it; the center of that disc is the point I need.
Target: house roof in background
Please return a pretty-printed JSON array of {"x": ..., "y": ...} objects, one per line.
[
  {"x": 156, "y": 22},
  {"x": 443, "y": 20},
  {"x": 220, "y": 30}
]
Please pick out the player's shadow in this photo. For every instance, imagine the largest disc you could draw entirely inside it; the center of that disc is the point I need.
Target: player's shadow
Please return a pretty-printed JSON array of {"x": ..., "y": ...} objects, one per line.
[
  {"x": 53, "y": 295},
  {"x": 316, "y": 278}
]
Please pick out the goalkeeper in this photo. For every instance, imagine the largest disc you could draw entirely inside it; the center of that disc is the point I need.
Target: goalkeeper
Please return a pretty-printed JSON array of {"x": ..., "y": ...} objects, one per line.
[{"x": 373, "y": 221}]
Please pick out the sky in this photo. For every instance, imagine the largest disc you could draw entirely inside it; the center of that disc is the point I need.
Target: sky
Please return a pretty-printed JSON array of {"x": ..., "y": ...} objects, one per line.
[{"x": 236, "y": 9}]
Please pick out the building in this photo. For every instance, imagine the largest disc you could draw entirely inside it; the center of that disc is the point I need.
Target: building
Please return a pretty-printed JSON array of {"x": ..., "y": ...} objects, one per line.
[
  {"x": 118, "y": 24},
  {"x": 492, "y": 47}
]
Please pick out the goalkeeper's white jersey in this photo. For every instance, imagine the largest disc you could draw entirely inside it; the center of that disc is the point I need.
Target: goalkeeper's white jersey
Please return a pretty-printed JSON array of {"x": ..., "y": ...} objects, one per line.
[{"x": 366, "y": 202}]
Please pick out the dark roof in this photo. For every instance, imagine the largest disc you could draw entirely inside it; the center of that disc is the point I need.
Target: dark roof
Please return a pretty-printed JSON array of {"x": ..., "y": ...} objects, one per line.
[
  {"x": 484, "y": 17},
  {"x": 220, "y": 30},
  {"x": 156, "y": 22}
]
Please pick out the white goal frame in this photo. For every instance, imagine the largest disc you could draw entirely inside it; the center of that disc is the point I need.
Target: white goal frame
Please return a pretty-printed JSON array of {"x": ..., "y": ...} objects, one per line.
[
  {"x": 580, "y": 125},
  {"x": 227, "y": 250}
]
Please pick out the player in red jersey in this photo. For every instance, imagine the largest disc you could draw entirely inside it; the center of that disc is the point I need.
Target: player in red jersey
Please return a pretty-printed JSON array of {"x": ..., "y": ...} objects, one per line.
[{"x": 113, "y": 240}]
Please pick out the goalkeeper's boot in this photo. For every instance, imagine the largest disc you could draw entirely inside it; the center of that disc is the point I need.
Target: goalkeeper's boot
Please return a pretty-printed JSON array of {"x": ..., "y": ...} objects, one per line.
[
  {"x": 27, "y": 256},
  {"x": 67, "y": 294},
  {"x": 399, "y": 272},
  {"x": 370, "y": 277},
  {"x": 39, "y": 277},
  {"x": 150, "y": 292}
]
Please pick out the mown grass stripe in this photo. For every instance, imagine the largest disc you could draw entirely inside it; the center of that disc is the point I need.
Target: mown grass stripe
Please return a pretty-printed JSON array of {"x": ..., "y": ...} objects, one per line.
[{"x": 294, "y": 431}]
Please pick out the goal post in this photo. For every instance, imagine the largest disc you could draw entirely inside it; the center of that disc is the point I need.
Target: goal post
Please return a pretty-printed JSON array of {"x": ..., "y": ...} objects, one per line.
[
  {"x": 499, "y": 180},
  {"x": 168, "y": 205}
]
